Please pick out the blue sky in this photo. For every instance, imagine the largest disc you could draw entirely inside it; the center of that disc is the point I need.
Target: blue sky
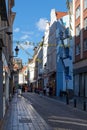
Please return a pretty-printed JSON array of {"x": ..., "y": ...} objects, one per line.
[{"x": 29, "y": 23}]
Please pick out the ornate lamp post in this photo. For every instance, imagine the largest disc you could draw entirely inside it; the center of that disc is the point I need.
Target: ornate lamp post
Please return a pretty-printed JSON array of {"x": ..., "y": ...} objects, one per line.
[
  {"x": 16, "y": 50},
  {"x": 12, "y": 73}
]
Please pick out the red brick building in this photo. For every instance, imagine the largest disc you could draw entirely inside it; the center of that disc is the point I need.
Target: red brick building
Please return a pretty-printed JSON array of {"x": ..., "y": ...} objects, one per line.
[{"x": 80, "y": 47}]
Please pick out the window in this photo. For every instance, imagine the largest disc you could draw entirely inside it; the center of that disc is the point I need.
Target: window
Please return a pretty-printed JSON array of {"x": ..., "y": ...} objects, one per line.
[
  {"x": 61, "y": 34},
  {"x": 85, "y": 23},
  {"x": 77, "y": 49},
  {"x": 67, "y": 33},
  {"x": 57, "y": 33},
  {"x": 67, "y": 70},
  {"x": 78, "y": 30},
  {"x": 85, "y": 44},
  {"x": 67, "y": 51},
  {"x": 85, "y": 4},
  {"x": 77, "y": 12}
]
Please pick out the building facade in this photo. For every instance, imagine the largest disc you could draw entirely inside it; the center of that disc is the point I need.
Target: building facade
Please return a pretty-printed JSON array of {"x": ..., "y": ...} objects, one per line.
[
  {"x": 80, "y": 47},
  {"x": 45, "y": 48},
  {"x": 40, "y": 67},
  {"x": 51, "y": 50},
  {"x": 6, "y": 24},
  {"x": 32, "y": 69},
  {"x": 64, "y": 56},
  {"x": 18, "y": 73}
]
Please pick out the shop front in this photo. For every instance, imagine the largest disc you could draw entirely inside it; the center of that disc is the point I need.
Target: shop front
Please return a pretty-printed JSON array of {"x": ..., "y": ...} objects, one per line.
[{"x": 52, "y": 82}]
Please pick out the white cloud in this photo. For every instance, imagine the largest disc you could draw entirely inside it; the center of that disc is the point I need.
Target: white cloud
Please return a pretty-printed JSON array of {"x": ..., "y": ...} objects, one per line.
[
  {"x": 41, "y": 24},
  {"x": 27, "y": 33},
  {"x": 24, "y": 37},
  {"x": 16, "y": 29}
]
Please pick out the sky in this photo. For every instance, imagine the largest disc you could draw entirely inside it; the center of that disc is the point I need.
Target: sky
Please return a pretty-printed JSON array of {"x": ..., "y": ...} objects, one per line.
[{"x": 29, "y": 23}]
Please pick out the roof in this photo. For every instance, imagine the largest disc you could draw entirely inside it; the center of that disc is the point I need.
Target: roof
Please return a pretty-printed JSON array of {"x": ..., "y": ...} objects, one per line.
[{"x": 60, "y": 14}]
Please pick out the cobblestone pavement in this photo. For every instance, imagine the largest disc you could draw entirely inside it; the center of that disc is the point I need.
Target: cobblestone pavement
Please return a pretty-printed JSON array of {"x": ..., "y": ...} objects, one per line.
[
  {"x": 22, "y": 116},
  {"x": 25, "y": 114},
  {"x": 57, "y": 114}
]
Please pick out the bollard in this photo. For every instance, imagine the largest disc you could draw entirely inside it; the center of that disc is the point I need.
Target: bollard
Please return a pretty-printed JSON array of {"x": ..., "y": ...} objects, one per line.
[
  {"x": 74, "y": 102},
  {"x": 84, "y": 105},
  {"x": 67, "y": 99}
]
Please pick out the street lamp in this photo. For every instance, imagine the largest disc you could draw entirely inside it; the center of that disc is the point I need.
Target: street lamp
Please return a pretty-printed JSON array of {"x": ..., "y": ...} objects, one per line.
[
  {"x": 11, "y": 66},
  {"x": 16, "y": 50},
  {"x": 10, "y": 61}
]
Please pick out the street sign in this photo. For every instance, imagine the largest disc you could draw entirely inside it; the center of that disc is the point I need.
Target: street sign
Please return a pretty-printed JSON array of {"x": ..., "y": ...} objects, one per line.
[{"x": 68, "y": 77}]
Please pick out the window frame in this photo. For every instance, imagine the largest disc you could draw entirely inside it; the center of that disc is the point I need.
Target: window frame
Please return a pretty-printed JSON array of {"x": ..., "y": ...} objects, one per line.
[
  {"x": 85, "y": 45},
  {"x": 85, "y": 23},
  {"x": 78, "y": 30},
  {"x": 85, "y": 4},
  {"x": 77, "y": 49},
  {"x": 78, "y": 12}
]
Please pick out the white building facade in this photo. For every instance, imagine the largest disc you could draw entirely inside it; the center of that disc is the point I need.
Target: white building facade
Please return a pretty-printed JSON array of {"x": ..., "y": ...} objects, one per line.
[{"x": 45, "y": 47}]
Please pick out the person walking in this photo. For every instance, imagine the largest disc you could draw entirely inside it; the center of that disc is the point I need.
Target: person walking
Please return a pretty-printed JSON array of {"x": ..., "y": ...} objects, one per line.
[
  {"x": 47, "y": 90},
  {"x": 44, "y": 90},
  {"x": 50, "y": 90}
]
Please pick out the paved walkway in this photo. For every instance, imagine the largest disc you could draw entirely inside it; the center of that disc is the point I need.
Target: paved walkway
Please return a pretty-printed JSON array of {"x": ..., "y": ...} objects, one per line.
[
  {"x": 22, "y": 116},
  {"x": 77, "y": 102}
]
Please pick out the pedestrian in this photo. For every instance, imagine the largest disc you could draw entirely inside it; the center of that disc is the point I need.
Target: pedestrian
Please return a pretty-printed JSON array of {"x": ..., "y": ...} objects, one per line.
[
  {"x": 31, "y": 87},
  {"x": 50, "y": 90},
  {"x": 47, "y": 90},
  {"x": 19, "y": 90},
  {"x": 44, "y": 90},
  {"x": 13, "y": 90}
]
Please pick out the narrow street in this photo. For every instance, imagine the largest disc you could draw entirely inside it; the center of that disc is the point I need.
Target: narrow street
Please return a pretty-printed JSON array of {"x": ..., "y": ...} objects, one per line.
[
  {"x": 57, "y": 114},
  {"x": 43, "y": 65}
]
